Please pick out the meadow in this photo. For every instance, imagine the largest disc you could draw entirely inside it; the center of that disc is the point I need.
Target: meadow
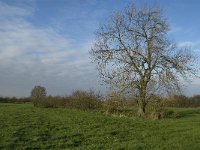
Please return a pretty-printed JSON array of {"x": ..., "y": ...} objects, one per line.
[{"x": 23, "y": 126}]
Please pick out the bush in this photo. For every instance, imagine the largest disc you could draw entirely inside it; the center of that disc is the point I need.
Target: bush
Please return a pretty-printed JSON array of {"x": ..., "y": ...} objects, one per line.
[
  {"x": 183, "y": 101},
  {"x": 115, "y": 104},
  {"x": 155, "y": 104},
  {"x": 51, "y": 102},
  {"x": 85, "y": 100},
  {"x": 170, "y": 114},
  {"x": 164, "y": 113},
  {"x": 156, "y": 109},
  {"x": 79, "y": 100}
]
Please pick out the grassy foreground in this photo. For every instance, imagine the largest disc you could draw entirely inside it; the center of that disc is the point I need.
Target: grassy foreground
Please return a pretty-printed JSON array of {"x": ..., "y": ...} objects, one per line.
[{"x": 24, "y": 127}]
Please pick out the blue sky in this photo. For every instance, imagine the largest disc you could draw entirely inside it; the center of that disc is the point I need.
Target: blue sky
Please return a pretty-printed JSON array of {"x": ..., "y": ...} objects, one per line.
[{"x": 46, "y": 42}]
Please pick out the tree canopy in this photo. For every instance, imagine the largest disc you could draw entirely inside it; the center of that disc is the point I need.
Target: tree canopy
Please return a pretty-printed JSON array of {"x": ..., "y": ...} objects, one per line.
[{"x": 133, "y": 52}]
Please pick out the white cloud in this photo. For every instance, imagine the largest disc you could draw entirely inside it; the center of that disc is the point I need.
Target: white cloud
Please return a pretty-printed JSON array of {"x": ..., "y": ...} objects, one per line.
[
  {"x": 8, "y": 11},
  {"x": 189, "y": 43},
  {"x": 185, "y": 43},
  {"x": 175, "y": 30},
  {"x": 32, "y": 55}
]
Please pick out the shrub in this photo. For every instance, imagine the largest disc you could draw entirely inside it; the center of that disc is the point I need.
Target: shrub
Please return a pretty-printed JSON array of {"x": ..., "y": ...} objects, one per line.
[
  {"x": 113, "y": 106},
  {"x": 115, "y": 103},
  {"x": 85, "y": 100},
  {"x": 183, "y": 101},
  {"x": 157, "y": 111},
  {"x": 155, "y": 104},
  {"x": 51, "y": 102},
  {"x": 164, "y": 113},
  {"x": 79, "y": 100}
]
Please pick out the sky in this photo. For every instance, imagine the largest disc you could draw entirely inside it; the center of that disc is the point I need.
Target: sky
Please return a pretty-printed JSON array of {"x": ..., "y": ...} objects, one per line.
[{"x": 46, "y": 42}]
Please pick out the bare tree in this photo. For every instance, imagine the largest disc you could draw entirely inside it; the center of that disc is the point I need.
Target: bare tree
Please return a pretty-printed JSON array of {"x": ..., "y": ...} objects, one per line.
[
  {"x": 133, "y": 52},
  {"x": 38, "y": 92}
]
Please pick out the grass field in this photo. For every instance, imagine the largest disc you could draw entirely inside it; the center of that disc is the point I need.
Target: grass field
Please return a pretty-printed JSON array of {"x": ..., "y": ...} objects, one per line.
[{"x": 24, "y": 127}]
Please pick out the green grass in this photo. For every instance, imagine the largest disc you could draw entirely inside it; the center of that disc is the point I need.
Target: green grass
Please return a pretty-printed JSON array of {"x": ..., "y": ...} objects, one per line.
[{"x": 24, "y": 127}]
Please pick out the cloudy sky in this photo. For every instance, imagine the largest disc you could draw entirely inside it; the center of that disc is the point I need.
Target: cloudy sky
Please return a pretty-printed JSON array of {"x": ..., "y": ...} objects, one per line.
[{"x": 46, "y": 42}]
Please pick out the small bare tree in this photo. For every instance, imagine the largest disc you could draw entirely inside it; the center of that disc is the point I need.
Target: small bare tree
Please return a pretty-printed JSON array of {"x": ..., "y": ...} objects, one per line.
[
  {"x": 133, "y": 52},
  {"x": 38, "y": 92}
]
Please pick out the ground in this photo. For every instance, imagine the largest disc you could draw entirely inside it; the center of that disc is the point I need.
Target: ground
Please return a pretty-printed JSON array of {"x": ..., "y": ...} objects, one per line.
[{"x": 23, "y": 126}]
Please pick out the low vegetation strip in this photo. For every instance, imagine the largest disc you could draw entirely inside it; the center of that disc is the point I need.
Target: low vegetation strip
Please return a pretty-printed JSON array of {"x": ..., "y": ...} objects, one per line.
[{"x": 23, "y": 126}]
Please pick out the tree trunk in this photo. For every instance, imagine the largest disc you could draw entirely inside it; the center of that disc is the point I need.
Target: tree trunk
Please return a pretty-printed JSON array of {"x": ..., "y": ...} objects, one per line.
[
  {"x": 142, "y": 98},
  {"x": 141, "y": 110}
]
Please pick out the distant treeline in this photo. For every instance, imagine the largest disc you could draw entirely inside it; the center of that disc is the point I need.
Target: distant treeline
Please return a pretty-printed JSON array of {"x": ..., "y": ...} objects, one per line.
[
  {"x": 14, "y": 100},
  {"x": 91, "y": 100},
  {"x": 183, "y": 101}
]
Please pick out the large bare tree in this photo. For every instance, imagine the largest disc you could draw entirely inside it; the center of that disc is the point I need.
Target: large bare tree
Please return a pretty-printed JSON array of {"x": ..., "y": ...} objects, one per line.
[{"x": 133, "y": 52}]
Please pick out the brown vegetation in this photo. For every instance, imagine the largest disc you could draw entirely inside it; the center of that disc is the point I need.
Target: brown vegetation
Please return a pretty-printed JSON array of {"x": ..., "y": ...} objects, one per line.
[{"x": 113, "y": 104}]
